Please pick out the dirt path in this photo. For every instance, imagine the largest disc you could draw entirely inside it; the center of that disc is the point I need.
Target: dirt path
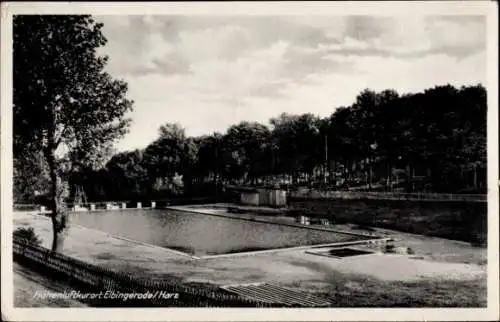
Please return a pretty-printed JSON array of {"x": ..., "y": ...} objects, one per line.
[{"x": 27, "y": 283}]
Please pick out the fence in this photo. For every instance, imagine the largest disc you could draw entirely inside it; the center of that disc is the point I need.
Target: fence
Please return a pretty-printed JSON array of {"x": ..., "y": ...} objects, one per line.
[
  {"x": 121, "y": 204},
  {"x": 317, "y": 194},
  {"x": 26, "y": 207},
  {"x": 90, "y": 277}
]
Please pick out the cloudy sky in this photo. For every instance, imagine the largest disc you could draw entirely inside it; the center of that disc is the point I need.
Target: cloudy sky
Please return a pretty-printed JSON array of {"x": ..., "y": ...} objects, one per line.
[{"x": 208, "y": 73}]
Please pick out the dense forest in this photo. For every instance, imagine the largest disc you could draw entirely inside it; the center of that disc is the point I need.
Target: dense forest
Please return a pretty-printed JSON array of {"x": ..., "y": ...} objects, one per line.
[{"x": 433, "y": 141}]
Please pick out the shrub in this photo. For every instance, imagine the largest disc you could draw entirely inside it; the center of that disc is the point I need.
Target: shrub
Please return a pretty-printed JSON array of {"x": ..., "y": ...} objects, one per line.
[
  {"x": 389, "y": 248},
  {"x": 27, "y": 235}
]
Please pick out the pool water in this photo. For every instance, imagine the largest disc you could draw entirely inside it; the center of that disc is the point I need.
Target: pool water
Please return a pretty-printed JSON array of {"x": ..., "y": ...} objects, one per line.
[
  {"x": 348, "y": 252},
  {"x": 204, "y": 234}
]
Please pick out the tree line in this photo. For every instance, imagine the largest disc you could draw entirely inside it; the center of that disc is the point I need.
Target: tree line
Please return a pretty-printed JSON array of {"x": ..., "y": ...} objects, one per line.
[
  {"x": 433, "y": 141},
  {"x": 430, "y": 141}
]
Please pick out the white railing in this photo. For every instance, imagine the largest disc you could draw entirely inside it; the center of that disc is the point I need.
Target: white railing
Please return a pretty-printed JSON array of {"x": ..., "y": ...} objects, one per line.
[{"x": 83, "y": 207}]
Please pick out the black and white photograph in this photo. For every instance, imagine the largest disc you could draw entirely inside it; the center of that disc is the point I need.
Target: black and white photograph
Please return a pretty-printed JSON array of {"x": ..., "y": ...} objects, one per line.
[{"x": 318, "y": 159}]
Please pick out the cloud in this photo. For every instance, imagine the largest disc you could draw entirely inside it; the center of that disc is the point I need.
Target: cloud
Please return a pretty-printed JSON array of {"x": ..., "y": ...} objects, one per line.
[
  {"x": 366, "y": 27},
  {"x": 208, "y": 72},
  {"x": 413, "y": 36},
  {"x": 460, "y": 37}
]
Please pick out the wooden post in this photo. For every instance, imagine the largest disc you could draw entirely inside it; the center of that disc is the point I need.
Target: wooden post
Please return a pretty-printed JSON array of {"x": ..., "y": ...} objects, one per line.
[
  {"x": 92, "y": 207},
  {"x": 153, "y": 204},
  {"x": 139, "y": 205}
]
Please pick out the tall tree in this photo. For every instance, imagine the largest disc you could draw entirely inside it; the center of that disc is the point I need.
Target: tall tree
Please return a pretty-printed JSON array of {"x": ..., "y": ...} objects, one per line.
[
  {"x": 249, "y": 145},
  {"x": 171, "y": 154},
  {"x": 30, "y": 177},
  {"x": 126, "y": 175},
  {"x": 209, "y": 156},
  {"x": 343, "y": 143},
  {"x": 65, "y": 104},
  {"x": 300, "y": 142}
]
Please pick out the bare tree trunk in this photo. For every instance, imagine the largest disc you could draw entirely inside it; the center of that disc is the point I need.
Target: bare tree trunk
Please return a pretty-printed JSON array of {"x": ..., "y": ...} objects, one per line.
[
  {"x": 346, "y": 165},
  {"x": 475, "y": 177},
  {"x": 370, "y": 174},
  {"x": 349, "y": 169},
  {"x": 389, "y": 176},
  {"x": 332, "y": 173},
  {"x": 59, "y": 214}
]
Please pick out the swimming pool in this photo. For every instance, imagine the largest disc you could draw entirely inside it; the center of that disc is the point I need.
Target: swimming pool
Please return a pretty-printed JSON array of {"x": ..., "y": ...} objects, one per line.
[{"x": 204, "y": 234}]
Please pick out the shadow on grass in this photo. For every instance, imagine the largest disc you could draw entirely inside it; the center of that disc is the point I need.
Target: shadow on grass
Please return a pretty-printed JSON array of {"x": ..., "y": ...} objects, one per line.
[
  {"x": 352, "y": 290},
  {"x": 105, "y": 256}
]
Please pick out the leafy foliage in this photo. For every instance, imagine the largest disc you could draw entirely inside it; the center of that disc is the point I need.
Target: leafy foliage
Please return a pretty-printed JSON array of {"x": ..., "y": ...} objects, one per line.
[
  {"x": 438, "y": 134},
  {"x": 126, "y": 174},
  {"x": 62, "y": 95},
  {"x": 247, "y": 145},
  {"x": 297, "y": 138},
  {"x": 65, "y": 104},
  {"x": 170, "y": 156},
  {"x": 27, "y": 236}
]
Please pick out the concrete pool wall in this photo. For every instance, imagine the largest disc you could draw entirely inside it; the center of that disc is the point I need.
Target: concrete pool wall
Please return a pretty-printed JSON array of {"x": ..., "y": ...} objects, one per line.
[
  {"x": 370, "y": 241},
  {"x": 216, "y": 211}
]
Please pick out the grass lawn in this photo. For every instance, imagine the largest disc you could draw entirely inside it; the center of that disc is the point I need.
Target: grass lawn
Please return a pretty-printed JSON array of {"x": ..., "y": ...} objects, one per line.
[
  {"x": 466, "y": 221},
  {"x": 363, "y": 291}
]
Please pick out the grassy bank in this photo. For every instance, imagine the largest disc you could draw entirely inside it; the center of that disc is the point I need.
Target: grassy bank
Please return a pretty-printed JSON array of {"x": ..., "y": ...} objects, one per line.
[
  {"x": 368, "y": 292},
  {"x": 465, "y": 221}
]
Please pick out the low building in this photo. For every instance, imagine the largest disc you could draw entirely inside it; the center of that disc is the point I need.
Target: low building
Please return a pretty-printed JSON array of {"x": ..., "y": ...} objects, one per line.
[
  {"x": 270, "y": 197},
  {"x": 250, "y": 197}
]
